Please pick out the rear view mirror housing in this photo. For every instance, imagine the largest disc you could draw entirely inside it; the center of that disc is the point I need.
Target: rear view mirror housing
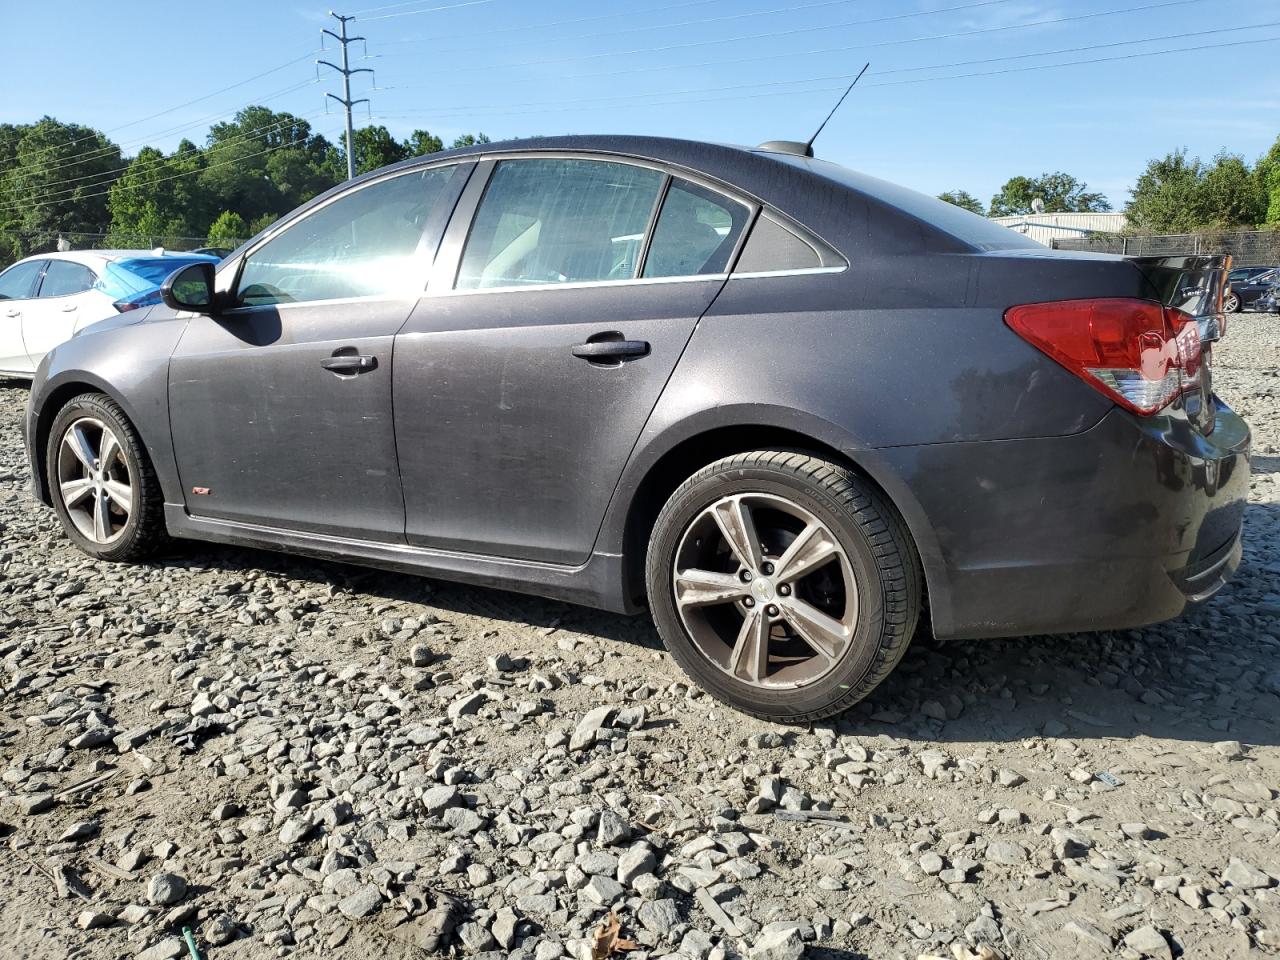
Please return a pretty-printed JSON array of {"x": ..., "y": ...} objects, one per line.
[{"x": 189, "y": 288}]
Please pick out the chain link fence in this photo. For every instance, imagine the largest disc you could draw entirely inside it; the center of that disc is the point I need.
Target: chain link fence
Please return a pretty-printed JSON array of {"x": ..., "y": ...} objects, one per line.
[{"x": 1248, "y": 248}]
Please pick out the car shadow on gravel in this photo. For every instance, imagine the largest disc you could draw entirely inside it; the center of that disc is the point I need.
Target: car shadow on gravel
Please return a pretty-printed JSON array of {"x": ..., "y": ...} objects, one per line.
[{"x": 1211, "y": 675}]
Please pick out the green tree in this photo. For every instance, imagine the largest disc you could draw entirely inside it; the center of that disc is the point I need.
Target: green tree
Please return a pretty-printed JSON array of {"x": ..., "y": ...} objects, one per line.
[
  {"x": 228, "y": 230},
  {"x": 1061, "y": 193},
  {"x": 158, "y": 197},
  {"x": 55, "y": 181},
  {"x": 469, "y": 140},
  {"x": 258, "y": 224},
  {"x": 375, "y": 147},
  {"x": 1266, "y": 174},
  {"x": 422, "y": 142},
  {"x": 1166, "y": 197},
  {"x": 965, "y": 200},
  {"x": 1229, "y": 195}
]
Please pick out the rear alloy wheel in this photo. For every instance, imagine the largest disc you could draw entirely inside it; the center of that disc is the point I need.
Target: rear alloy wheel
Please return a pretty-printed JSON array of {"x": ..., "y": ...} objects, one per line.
[
  {"x": 103, "y": 488},
  {"x": 783, "y": 583},
  {"x": 1231, "y": 303}
]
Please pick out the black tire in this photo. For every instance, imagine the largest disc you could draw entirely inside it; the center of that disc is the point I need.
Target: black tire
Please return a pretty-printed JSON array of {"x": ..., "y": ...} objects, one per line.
[
  {"x": 144, "y": 533},
  {"x": 875, "y": 540}
]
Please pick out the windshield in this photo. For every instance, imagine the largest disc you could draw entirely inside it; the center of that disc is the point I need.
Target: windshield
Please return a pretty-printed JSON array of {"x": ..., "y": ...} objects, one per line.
[{"x": 123, "y": 279}]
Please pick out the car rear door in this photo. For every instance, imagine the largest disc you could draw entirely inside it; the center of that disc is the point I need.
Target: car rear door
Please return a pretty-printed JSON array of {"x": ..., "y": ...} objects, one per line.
[
  {"x": 560, "y": 305},
  {"x": 17, "y": 292},
  {"x": 54, "y": 315},
  {"x": 281, "y": 405}
]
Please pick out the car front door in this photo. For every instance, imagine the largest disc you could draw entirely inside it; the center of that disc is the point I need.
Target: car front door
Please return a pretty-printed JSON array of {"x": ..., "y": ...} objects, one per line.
[
  {"x": 556, "y": 314},
  {"x": 55, "y": 313},
  {"x": 281, "y": 404},
  {"x": 17, "y": 292}
]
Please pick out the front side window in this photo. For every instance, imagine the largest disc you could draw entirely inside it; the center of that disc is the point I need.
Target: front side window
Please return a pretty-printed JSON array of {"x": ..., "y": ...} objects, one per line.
[
  {"x": 362, "y": 244},
  {"x": 18, "y": 282},
  {"x": 64, "y": 278},
  {"x": 549, "y": 221},
  {"x": 696, "y": 233}
]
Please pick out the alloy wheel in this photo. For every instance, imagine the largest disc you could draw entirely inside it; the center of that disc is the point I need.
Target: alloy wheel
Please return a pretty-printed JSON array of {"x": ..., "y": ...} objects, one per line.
[
  {"x": 765, "y": 590},
  {"x": 94, "y": 480},
  {"x": 1231, "y": 304}
]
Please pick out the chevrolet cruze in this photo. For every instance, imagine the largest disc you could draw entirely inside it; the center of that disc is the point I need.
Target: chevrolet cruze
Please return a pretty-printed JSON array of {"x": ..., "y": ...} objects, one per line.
[{"x": 793, "y": 411}]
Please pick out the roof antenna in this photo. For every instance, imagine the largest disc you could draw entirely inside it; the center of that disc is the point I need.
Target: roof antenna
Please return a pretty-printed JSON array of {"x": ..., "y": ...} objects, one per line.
[
  {"x": 806, "y": 149},
  {"x": 809, "y": 146}
]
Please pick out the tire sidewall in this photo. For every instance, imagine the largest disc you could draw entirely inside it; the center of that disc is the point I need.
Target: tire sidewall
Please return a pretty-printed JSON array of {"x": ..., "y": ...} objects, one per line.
[
  {"x": 782, "y": 704},
  {"x": 91, "y": 407}
]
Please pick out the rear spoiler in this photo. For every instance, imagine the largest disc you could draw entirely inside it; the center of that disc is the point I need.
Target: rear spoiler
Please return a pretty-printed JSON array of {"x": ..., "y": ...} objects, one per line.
[{"x": 1194, "y": 285}]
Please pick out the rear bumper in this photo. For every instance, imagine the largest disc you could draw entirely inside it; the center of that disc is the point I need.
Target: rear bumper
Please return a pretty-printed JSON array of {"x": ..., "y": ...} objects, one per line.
[{"x": 1125, "y": 524}]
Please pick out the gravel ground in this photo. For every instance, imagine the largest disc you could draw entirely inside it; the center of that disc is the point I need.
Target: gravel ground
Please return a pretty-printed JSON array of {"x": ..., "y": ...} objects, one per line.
[{"x": 297, "y": 758}]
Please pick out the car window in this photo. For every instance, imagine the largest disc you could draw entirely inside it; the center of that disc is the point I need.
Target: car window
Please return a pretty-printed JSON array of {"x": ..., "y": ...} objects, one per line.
[
  {"x": 696, "y": 232},
  {"x": 775, "y": 246},
  {"x": 63, "y": 278},
  {"x": 362, "y": 244},
  {"x": 548, "y": 221},
  {"x": 18, "y": 282}
]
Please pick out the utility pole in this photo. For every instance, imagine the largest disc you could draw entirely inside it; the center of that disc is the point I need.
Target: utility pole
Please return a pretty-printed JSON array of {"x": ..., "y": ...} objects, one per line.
[{"x": 346, "y": 72}]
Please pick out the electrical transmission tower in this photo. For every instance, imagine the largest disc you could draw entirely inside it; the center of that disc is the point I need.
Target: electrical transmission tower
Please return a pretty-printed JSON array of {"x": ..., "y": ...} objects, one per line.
[{"x": 346, "y": 72}]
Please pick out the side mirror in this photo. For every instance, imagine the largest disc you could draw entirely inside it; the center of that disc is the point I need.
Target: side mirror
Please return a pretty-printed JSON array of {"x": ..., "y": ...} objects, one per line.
[{"x": 189, "y": 288}]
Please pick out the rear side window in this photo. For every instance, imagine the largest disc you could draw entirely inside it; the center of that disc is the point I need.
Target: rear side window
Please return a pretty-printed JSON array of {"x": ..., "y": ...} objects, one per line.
[
  {"x": 696, "y": 233},
  {"x": 559, "y": 221},
  {"x": 364, "y": 243},
  {"x": 64, "y": 278},
  {"x": 774, "y": 246},
  {"x": 18, "y": 282}
]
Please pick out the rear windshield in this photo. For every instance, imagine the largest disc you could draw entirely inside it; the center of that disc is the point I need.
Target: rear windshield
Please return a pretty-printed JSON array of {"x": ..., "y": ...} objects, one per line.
[
  {"x": 969, "y": 228},
  {"x": 127, "y": 278}
]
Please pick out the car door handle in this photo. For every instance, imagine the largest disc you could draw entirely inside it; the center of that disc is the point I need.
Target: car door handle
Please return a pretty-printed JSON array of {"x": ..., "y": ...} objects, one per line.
[
  {"x": 13, "y": 313},
  {"x": 611, "y": 349},
  {"x": 349, "y": 364},
  {"x": 68, "y": 307}
]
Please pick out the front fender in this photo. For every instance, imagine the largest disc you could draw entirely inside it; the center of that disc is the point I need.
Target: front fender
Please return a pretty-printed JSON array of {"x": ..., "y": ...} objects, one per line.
[{"x": 127, "y": 362}]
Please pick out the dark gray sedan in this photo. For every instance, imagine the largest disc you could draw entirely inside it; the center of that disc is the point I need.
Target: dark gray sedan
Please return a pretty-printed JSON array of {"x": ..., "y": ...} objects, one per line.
[{"x": 792, "y": 410}]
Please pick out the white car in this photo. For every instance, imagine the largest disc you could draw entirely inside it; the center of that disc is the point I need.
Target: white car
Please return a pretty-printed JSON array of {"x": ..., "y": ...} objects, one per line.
[{"x": 46, "y": 298}]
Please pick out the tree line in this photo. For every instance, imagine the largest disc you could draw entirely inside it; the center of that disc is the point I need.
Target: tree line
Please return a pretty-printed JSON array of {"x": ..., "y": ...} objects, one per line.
[
  {"x": 71, "y": 181},
  {"x": 1174, "y": 194}
]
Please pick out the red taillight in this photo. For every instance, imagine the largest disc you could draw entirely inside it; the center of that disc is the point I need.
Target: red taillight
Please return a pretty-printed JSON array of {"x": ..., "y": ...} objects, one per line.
[{"x": 1133, "y": 351}]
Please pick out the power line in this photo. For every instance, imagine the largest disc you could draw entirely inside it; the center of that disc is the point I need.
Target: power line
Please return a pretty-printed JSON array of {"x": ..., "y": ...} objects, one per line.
[
  {"x": 142, "y": 141},
  {"x": 178, "y": 176},
  {"x": 846, "y": 76},
  {"x": 346, "y": 70},
  {"x": 55, "y": 190},
  {"x": 867, "y": 46},
  {"x": 410, "y": 13},
  {"x": 1044, "y": 66},
  {"x": 161, "y": 113}
]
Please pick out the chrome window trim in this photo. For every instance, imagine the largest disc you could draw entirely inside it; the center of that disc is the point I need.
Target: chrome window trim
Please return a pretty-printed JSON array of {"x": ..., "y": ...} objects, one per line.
[
  {"x": 576, "y": 285},
  {"x": 797, "y": 272}
]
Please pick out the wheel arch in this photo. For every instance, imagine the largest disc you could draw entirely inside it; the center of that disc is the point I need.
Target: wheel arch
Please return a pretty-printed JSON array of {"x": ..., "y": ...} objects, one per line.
[
  {"x": 54, "y": 396},
  {"x": 667, "y": 461}
]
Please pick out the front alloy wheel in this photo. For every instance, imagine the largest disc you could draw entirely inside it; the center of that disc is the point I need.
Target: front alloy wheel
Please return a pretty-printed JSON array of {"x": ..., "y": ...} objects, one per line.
[{"x": 94, "y": 481}]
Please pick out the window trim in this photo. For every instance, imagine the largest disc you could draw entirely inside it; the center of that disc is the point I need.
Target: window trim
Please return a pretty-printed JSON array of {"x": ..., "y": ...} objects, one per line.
[
  {"x": 427, "y": 262},
  {"x": 446, "y": 285},
  {"x": 44, "y": 272}
]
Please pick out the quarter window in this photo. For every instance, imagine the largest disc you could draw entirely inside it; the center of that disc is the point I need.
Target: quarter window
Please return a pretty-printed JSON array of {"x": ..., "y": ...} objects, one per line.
[
  {"x": 366, "y": 243},
  {"x": 63, "y": 278},
  {"x": 559, "y": 221},
  {"x": 696, "y": 233},
  {"x": 18, "y": 282},
  {"x": 775, "y": 246}
]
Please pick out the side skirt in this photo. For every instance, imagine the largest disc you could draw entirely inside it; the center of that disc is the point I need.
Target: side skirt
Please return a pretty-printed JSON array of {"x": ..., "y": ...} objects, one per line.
[{"x": 596, "y": 583}]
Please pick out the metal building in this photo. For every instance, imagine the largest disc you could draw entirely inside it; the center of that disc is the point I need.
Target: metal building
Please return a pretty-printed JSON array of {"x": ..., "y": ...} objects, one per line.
[{"x": 1047, "y": 227}]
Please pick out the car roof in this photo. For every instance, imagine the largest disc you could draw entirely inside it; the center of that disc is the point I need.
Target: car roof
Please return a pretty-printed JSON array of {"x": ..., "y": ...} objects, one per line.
[
  {"x": 93, "y": 258},
  {"x": 856, "y": 213}
]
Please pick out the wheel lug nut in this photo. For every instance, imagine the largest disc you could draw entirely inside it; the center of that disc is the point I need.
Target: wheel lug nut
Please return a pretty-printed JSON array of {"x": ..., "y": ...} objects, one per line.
[
  {"x": 771, "y": 610},
  {"x": 746, "y": 576},
  {"x": 768, "y": 569},
  {"x": 748, "y": 602},
  {"x": 784, "y": 590}
]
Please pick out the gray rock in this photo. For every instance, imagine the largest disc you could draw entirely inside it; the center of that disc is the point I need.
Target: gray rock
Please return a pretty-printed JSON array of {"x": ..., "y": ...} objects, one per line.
[
  {"x": 94, "y": 919},
  {"x": 463, "y": 820},
  {"x": 931, "y": 864},
  {"x": 778, "y": 944},
  {"x": 439, "y": 799},
  {"x": 1006, "y": 852},
  {"x": 1010, "y": 778},
  {"x": 584, "y": 735},
  {"x": 164, "y": 950},
  {"x": 1149, "y": 942},
  {"x": 659, "y": 917},
  {"x": 165, "y": 889},
  {"x": 1245, "y": 875},
  {"x": 504, "y": 927},
  {"x": 635, "y": 862},
  {"x": 612, "y": 829},
  {"x": 602, "y": 890},
  {"x": 364, "y": 901},
  {"x": 219, "y": 929},
  {"x": 1087, "y": 931}
]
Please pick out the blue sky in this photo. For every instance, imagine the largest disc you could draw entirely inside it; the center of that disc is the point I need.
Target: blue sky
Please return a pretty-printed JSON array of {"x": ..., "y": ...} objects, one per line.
[{"x": 738, "y": 71}]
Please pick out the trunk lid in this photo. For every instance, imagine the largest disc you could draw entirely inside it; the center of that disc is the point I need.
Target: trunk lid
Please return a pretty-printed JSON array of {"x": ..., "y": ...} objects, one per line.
[{"x": 1195, "y": 286}]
